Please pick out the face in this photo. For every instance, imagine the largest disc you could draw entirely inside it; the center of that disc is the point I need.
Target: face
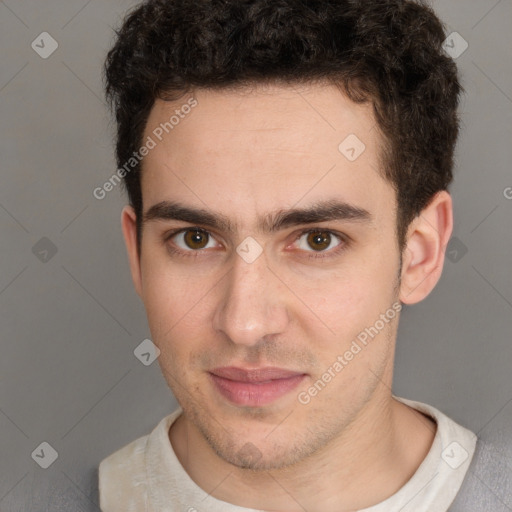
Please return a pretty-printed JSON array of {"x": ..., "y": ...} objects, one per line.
[{"x": 267, "y": 251}]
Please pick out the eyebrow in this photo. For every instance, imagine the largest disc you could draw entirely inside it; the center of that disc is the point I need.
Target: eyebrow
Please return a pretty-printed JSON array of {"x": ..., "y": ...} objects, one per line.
[{"x": 319, "y": 212}]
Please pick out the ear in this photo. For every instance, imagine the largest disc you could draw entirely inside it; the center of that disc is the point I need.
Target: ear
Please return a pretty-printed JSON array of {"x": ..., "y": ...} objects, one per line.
[
  {"x": 129, "y": 226},
  {"x": 423, "y": 256}
]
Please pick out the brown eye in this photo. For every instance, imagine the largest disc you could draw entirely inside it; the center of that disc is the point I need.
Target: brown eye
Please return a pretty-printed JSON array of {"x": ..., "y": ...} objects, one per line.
[
  {"x": 195, "y": 239},
  {"x": 319, "y": 240}
]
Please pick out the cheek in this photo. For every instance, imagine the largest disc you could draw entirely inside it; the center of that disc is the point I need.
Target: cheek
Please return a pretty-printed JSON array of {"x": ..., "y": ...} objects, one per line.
[
  {"x": 343, "y": 302},
  {"x": 174, "y": 318},
  {"x": 171, "y": 289},
  {"x": 161, "y": 297},
  {"x": 179, "y": 306}
]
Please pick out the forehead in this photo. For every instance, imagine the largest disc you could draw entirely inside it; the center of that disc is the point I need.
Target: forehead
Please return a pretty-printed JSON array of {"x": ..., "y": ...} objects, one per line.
[{"x": 255, "y": 150}]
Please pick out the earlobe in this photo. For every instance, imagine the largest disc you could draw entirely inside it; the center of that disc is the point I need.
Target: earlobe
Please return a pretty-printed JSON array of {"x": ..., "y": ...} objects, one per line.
[
  {"x": 129, "y": 227},
  {"x": 423, "y": 256}
]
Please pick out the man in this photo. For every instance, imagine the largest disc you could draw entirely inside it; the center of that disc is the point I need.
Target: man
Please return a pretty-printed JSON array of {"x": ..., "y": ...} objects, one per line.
[{"x": 287, "y": 165}]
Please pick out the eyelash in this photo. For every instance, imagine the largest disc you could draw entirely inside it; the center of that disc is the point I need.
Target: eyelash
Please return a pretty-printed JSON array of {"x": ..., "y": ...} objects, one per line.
[{"x": 344, "y": 243}]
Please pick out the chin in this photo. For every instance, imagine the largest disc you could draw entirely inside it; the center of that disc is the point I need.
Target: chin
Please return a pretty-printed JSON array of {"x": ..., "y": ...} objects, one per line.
[
  {"x": 259, "y": 454},
  {"x": 250, "y": 457}
]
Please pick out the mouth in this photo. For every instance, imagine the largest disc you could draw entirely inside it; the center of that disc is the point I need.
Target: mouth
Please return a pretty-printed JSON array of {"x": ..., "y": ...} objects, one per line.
[{"x": 254, "y": 387}]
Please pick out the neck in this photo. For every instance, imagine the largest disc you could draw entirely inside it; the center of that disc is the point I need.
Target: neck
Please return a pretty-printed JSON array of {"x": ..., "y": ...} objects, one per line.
[{"x": 383, "y": 446}]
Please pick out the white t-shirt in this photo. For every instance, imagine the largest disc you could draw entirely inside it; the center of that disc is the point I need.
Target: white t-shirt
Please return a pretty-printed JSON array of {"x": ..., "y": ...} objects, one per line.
[{"x": 146, "y": 475}]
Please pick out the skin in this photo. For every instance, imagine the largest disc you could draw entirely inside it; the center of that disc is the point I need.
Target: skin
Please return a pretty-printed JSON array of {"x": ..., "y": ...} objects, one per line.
[{"x": 246, "y": 154}]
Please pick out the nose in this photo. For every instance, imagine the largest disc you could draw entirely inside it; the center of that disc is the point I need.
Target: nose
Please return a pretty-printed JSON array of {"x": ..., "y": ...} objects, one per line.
[{"x": 252, "y": 304}]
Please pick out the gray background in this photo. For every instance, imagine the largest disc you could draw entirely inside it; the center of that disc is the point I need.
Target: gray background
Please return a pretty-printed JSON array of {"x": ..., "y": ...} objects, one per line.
[{"x": 70, "y": 321}]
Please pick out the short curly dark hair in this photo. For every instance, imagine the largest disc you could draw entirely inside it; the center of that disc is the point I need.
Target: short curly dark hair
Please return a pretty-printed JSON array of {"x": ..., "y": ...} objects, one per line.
[{"x": 387, "y": 52}]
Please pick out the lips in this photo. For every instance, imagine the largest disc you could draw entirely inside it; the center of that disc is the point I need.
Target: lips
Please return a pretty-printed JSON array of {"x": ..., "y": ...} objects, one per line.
[{"x": 254, "y": 387}]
